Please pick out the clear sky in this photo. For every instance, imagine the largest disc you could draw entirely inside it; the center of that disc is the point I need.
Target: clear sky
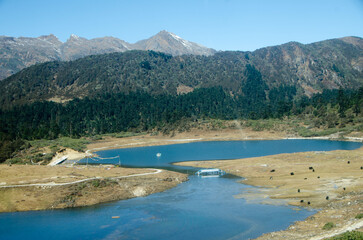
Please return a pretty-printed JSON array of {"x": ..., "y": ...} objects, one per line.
[{"x": 220, "y": 24}]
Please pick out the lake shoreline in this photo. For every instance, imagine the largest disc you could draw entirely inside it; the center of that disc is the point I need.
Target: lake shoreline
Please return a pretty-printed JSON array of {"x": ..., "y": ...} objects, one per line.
[
  {"x": 213, "y": 135},
  {"x": 108, "y": 143},
  {"x": 332, "y": 185},
  {"x": 39, "y": 187},
  {"x": 299, "y": 230},
  {"x": 10, "y": 200}
]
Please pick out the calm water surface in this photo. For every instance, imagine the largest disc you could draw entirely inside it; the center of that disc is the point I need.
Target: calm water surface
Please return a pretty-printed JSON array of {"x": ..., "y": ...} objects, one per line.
[
  {"x": 146, "y": 156},
  {"x": 198, "y": 209}
]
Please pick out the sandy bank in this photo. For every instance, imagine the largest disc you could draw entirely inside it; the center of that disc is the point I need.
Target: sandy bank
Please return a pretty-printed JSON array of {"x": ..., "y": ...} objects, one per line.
[
  {"x": 24, "y": 188},
  {"x": 331, "y": 181},
  {"x": 195, "y": 135},
  {"x": 185, "y": 137}
]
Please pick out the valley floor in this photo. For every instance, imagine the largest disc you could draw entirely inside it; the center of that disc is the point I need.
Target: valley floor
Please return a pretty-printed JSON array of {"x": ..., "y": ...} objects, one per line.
[
  {"x": 47, "y": 187},
  {"x": 333, "y": 185}
]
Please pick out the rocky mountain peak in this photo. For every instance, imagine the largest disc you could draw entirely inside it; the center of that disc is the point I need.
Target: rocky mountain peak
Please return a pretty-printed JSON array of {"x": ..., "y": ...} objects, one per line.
[
  {"x": 173, "y": 37},
  {"x": 50, "y": 38},
  {"x": 168, "y": 42},
  {"x": 75, "y": 38},
  {"x": 24, "y": 51},
  {"x": 165, "y": 34}
]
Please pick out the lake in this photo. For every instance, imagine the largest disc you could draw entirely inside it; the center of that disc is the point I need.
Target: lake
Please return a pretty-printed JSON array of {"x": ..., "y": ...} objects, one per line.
[
  {"x": 217, "y": 150},
  {"x": 198, "y": 209}
]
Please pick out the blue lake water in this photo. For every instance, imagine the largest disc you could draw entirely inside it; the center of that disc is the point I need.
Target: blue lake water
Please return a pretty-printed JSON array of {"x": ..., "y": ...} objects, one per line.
[
  {"x": 146, "y": 156},
  {"x": 198, "y": 209}
]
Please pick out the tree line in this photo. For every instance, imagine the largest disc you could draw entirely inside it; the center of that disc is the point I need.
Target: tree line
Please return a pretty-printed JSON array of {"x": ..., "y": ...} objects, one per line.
[{"x": 140, "y": 111}]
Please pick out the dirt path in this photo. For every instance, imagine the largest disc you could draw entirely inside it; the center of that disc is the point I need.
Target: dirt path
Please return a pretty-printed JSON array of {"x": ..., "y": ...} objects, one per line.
[
  {"x": 24, "y": 188},
  {"x": 78, "y": 181},
  {"x": 348, "y": 227}
]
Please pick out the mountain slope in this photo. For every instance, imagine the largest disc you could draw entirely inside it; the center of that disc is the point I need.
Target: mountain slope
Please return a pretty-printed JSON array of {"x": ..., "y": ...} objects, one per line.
[
  {"x": 77, "y": 47},
  {"x": 309, "y": 68},
  {"x": 170, "y": 43},
  {"x": 18, "y": 53},
  {"x": 327, "y": 64}
]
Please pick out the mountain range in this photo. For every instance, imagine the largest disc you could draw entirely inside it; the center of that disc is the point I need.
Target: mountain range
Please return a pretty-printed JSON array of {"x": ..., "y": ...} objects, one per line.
[
  {"x": 307, "y": 68},
  {"x": 22, "y": 52}
]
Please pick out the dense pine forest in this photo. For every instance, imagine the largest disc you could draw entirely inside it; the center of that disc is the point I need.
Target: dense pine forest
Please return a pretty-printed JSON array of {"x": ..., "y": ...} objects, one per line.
[{"x": 142, "y": 112}]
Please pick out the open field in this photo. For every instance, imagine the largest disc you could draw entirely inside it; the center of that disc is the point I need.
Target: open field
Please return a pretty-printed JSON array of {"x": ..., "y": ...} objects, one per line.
[{"x": 37, "y": 187}]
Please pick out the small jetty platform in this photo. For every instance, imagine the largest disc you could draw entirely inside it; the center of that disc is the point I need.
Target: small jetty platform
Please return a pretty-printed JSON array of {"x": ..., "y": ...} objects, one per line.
[
  {"x": 58, "y": 161},
  {"x": 211, "y": 172}
]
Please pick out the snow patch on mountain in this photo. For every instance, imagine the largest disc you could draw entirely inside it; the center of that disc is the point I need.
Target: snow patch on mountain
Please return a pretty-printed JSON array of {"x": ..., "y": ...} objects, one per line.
[{"x": 186, "y": 43}]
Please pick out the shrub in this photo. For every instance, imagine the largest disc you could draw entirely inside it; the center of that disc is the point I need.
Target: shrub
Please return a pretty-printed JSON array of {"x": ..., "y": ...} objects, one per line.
[
  {"x": 126, "y": 134},
  {"x": 96, "y": 137},
  {"x": 359, "y": 216},
  {"x": 96, "y": 183},
  {"x": 67, "y": 142},
  {"x": 305, "y": 132},
  {"x": 15, "y": 160},
  {"x": 328, "y": 226},
  {"x": 8, "y": 148},
  {"x": 353, "y": 235}
]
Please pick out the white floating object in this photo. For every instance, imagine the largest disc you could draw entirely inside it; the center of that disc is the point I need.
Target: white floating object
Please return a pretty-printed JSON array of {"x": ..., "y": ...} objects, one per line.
[{"x": 158, "y": 154}]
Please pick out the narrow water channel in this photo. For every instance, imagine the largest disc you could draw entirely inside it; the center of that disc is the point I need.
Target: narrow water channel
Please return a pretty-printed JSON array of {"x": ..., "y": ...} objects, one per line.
[{"x": 202, "y": 208}]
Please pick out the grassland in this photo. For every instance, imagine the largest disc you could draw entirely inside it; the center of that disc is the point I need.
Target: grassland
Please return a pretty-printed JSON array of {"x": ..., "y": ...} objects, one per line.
[
  {"x": 38, "y": 187},
  {"x": 330, "y": 181}
]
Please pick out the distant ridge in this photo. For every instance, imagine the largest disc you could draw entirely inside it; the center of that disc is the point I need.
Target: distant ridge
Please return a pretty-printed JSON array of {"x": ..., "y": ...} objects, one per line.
[
  {"x": 300, "y": 69},
  {"x": 18, "y": 53}
]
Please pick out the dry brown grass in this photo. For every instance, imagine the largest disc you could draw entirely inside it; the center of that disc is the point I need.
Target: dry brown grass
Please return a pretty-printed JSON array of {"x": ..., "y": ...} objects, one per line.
[
  {"x": 105, "y": 189},
  {"x": 331, "y": 175},
  {"x": 28, "y": 174}
]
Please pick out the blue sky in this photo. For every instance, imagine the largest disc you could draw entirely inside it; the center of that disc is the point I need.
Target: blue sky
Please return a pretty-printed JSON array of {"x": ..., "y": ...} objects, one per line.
[{"x": 220, "y": 24}]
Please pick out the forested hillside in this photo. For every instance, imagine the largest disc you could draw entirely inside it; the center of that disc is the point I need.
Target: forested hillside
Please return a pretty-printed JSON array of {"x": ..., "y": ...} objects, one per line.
[
  {"x": 142, "y": 112},
  {"x": 146, "y": 91},
  {"x": 22, "y": 52},
  {"x": 309, "y": 68}
]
